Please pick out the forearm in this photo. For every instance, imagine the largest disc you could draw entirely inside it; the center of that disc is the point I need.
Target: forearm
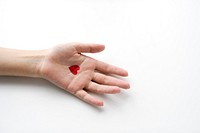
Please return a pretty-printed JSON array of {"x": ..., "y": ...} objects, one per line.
[{"x": 20, "y": 62}]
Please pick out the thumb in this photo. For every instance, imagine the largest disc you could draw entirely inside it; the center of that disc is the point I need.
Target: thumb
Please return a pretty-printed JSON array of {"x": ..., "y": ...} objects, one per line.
[{"x": 88, "y": 47}]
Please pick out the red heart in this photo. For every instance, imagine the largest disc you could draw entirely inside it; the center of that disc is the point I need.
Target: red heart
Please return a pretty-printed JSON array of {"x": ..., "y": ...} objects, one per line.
[{"x": 74, "y": 69}]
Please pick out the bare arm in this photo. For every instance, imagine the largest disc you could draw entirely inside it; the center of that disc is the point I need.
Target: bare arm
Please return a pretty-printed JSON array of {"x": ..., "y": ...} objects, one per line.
[
  {"x": 20, "y": 62},
  {"x": 54, "y": 65}
]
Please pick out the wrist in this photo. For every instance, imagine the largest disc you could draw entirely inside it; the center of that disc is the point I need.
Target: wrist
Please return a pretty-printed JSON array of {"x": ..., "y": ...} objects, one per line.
[{"x": 32, "y": 61}]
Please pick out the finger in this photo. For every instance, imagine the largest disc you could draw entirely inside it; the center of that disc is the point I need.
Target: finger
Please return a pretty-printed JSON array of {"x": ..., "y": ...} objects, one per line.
[
  {"x": 83, "y": 95},
  {"x": 108, "y": 80},
  {"x": 79, "y": 81},
  {"x": 88, "y": 47},
  {"x": 110, "y": 69},
  {"x": 102, "y": 89}
]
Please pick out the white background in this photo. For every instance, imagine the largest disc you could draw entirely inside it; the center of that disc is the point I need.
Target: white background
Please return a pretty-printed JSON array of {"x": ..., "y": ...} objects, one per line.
[{"x": 157, "y": 41}]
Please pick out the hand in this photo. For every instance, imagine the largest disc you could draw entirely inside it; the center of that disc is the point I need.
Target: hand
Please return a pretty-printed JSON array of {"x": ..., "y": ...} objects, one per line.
[{"x": 93, "y": 75}]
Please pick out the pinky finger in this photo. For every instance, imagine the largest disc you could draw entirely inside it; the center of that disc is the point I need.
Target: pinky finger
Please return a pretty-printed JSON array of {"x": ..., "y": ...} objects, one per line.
[{"x": 83, "y": 95}]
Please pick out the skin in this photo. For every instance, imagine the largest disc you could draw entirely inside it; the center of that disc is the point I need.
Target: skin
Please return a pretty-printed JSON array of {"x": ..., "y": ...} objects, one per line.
[{"x": 53, "y": 65}]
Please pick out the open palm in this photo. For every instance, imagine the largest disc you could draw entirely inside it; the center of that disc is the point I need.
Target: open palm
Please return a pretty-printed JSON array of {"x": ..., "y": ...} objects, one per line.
[{"x": 93, "y": 74}]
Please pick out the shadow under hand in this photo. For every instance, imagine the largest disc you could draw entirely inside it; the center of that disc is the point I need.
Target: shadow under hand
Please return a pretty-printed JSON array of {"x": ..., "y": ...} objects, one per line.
[{"x": 26, "y": 83}]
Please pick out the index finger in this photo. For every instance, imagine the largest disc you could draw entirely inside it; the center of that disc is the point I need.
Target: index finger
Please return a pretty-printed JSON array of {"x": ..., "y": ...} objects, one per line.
[{"x": 110, "y": 69}]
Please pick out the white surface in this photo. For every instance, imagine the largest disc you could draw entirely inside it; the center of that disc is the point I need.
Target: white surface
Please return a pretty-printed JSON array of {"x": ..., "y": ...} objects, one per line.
[{"x": 157, "y": 41}]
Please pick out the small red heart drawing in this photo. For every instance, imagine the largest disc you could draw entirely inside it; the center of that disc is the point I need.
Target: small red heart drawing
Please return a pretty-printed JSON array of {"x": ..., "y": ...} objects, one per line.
[{"x": 74, "y": 69}]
